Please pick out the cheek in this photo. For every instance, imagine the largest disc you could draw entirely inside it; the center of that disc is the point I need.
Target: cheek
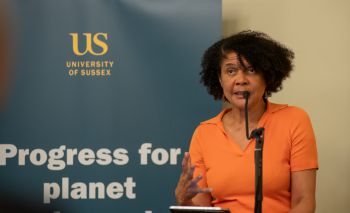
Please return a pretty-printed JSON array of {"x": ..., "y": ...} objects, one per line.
[
  {"x": 225, "y": 89},
  {"x": 262, "y": 89},
  {"x": 260, "y": 85},
  {"x": 226, "y": 86}
]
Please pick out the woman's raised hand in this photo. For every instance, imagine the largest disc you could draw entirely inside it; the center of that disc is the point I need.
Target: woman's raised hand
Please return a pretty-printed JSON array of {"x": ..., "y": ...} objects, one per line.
[{"x": 187, "y": 187}]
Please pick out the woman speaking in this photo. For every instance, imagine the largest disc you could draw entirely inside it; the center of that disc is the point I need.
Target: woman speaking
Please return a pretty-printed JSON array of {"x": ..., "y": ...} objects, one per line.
[{"x": 219, "y": 168}]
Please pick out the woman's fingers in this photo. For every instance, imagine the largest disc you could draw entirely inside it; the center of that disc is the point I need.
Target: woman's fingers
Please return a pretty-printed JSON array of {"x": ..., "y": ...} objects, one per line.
[
  {"x": 195, "y": 180},
  {"x": 186, "y": 162},
  {"x": 195, "y": 188},
  {"x": 187, "y": 186},
  {"x": 190, "y": 172},
  {"x": 204, "y": 190},
  {"x": 187, "y": 167}
]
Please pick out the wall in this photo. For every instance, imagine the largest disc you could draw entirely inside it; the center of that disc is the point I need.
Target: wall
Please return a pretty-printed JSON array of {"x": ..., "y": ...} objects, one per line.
[{"x": 319, "y": 33}]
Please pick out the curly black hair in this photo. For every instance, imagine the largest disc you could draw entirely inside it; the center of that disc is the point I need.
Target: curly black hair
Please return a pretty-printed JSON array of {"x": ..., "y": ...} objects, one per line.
[{"x": 268, "y": 57}]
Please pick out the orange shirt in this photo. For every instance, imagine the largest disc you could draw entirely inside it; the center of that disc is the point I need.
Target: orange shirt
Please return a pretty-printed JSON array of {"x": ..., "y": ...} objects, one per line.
[{"x": 289, "y": 145}]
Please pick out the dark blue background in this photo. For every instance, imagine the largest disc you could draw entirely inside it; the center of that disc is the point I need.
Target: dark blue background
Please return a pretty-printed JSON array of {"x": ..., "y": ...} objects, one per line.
[{"x": 153, "y": 95}]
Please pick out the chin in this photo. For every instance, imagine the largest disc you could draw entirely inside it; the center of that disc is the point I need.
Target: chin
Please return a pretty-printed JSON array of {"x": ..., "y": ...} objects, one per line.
[{"x": 238, "y": 104}]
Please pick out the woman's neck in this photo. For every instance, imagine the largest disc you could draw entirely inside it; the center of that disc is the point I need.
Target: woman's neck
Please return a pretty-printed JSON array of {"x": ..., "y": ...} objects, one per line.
[{"x": 237, "y": 115}]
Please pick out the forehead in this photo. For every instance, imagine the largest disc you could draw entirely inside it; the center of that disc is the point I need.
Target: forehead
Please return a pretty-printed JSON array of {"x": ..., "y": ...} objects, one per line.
[{"x": 232, "y": 58}]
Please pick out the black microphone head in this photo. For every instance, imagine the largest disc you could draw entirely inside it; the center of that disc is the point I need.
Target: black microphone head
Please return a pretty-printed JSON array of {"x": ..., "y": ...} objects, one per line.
[{"x": 246, "y": 94}]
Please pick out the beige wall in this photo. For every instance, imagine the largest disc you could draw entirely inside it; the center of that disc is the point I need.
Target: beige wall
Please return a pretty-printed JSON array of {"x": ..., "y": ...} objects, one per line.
[{"x": 319, "y": 33}]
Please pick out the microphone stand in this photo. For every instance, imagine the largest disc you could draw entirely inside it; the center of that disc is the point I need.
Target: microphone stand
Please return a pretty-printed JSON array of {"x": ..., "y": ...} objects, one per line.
[
  {"x": 258, "y": 134},
  {"x": 259, "y": 142}
]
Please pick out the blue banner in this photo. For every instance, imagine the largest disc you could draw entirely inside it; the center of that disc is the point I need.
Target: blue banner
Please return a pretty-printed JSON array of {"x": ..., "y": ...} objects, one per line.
[{"x": 104, "y": 98}]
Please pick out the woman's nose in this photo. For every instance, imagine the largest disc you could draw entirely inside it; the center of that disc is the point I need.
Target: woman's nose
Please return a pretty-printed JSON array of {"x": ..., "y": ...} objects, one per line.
[{"x": 241, "y": 78}]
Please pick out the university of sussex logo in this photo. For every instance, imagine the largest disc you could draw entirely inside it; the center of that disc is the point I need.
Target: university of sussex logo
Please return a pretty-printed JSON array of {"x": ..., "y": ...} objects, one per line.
[
  {"x": 90, "y": 44},
  {"x": 98, "y": 39}
]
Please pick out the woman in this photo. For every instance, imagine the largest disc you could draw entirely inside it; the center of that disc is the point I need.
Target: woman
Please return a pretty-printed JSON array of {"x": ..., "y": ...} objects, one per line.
[{"x": 219, "y": 168}]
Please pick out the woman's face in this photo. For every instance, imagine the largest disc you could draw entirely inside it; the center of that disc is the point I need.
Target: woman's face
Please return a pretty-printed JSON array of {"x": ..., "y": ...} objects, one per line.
[{"x": 236, "y": 78}]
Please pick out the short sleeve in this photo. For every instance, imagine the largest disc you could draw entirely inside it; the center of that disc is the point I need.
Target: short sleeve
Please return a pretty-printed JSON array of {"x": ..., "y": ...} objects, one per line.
[
  {"x": 303, "y": 144},
  {"x": 196, "y": 154}
]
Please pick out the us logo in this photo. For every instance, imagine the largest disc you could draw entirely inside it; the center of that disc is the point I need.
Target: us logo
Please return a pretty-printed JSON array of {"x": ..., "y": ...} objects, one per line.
[{"x": 95, "y": 43}]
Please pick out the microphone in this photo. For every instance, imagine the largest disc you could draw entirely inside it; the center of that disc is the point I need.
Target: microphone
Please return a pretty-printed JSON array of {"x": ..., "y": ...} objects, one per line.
[
  {"x": 258, "y": 156},
  {"x": 246, "y": 95}
]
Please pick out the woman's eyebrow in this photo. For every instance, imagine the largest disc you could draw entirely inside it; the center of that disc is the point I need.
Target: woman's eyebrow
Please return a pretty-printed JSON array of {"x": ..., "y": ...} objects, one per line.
[{"x": 230, "y": 65}]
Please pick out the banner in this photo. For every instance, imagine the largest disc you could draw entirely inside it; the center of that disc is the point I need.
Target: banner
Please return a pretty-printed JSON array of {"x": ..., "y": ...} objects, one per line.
[{"x": 103, "y": 101}]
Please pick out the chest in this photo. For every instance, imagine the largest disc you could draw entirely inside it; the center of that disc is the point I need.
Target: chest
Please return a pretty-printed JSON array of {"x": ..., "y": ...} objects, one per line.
[
  {"x": 238, "y": 136},
  {"x": 230, "y": 164}
]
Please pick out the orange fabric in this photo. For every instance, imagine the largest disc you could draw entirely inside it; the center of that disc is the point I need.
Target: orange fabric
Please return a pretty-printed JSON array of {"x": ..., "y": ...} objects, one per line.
[{"x": 289, "y": 146}]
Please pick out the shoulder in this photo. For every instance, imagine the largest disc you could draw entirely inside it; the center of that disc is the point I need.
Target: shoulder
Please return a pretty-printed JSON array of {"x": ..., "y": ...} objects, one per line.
[
  {"x": 287, "y": 112},
  {"x": 211, "y": 126},
  {"x": 215, "y": 121},
  {"x": 293, "y": 119}
]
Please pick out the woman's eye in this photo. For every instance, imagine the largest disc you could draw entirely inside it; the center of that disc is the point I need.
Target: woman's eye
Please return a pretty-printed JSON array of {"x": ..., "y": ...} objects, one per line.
[
  {"x": 231, "y": 70},
  {"x": 250, "y": 70}
]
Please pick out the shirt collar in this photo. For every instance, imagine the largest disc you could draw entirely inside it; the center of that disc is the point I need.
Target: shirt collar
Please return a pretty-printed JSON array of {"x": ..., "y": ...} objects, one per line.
[{"x": 271, "y": 108}]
